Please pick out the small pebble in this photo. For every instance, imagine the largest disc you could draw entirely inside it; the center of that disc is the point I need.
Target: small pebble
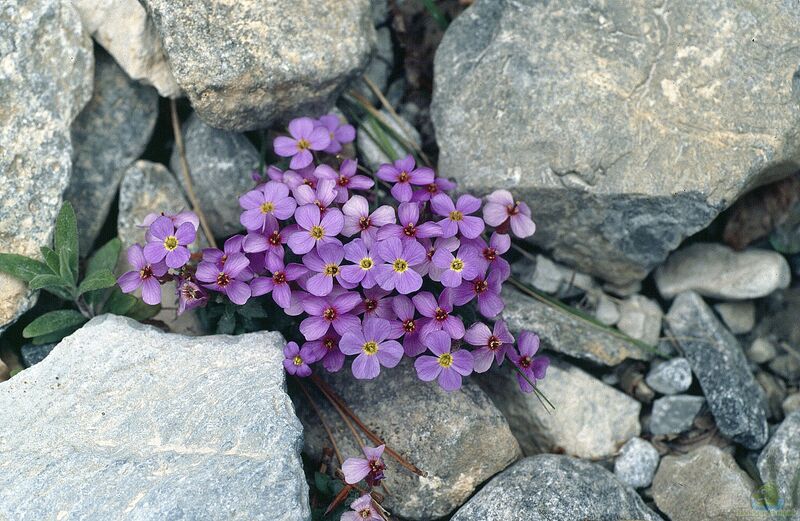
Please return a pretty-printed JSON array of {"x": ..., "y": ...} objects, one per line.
[
  {"x": 761, "y": 351},
  {"x": 791, "y": 404},
  {"x": 674, "y": 414},
  {"x": 740, "y": 317},
  {"x": 636, "y": 463},
  {"x": 670, "y": 377}
]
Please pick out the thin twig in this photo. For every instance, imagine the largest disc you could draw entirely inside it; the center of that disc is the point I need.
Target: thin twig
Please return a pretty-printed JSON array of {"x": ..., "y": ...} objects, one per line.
[
  {"x": 326, "y": 389},
  {"x": 187, "y": 178},
  {"x": 388, "y": 106},
  {"x": 322, "y": 421},
  {"x": 315, "y": 380}
]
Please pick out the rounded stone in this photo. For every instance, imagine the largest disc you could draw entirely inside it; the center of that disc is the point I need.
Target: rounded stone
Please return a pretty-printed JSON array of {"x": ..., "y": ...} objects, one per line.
[{"x": 636, "y": 463}]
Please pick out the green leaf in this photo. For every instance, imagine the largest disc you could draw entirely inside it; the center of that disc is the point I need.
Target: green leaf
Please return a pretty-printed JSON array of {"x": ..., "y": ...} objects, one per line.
[
  {"x": 52, "y": 322},
  {"x": 119, "y": 303},
  {"x": 21, "y": 267},
  {"x": 252, "y": 309},
  {"x": 55, "y": 337},
  {"x": 50, "y": 258},
  {"x": 105, "y": 258},
  {"x": 100, "y": 279},
  {"x": 53, "y": 284},
  {"x": 227, "y": 322},
  {"x": 66, "y": 242},
  {"x": 436, "y": 13},
  {"x": 141, "y": 311}
]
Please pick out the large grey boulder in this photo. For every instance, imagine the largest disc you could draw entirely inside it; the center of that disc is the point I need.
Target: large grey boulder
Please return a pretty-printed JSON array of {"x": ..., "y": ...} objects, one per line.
[
  {"x": 555, "y": 488},
  {"x": 220, "y": 163},
  {"x": 779, "y": 462},
  {"x": 566, "y": 333},
  {"x": 123, "y": 28},
  {"x": 245, "y": 64},
  {"x": 626, "y": 126},
  {"x": 718, "y": 362},
  {"x": 459, "y": 438},
  {"x": 45, "y": 80},
  {"x": 124, "y": 421},
  {"x": 110, "y": 133},
  {"x": 591, "y": 420}
]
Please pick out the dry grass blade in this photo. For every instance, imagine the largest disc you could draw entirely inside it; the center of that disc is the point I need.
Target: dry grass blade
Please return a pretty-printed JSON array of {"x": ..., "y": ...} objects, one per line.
[{"x": 322, "y": 421}]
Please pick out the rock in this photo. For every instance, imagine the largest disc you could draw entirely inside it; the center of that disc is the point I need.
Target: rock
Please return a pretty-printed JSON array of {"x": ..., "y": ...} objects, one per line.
[
  {"x": 704, "y": 484},
  {"x": 591, "y": 419},
  {"x": 220, "y": 163},
  {"x": 761, "y": 351},
  {"x": 671, "y": 377},
  {"x": 774, "y": 390},
  {"x": 246, "y": 64},
  {"x": 565, "y": 333},
  {"x": 380, "y": 66},
  {"x": 674, "y": 414},
  {"x": 721, "y": 368},
  {"x": 636, "y": 463},
  {"x": 372, "y": 154},
  {"x": 606, "y": 311},
  {"x": 45, "y": 80},
  {"x": 640, "y": 318},
  {"x": 787, "y": 367},
  {"x": 5, "y": 372},
  {"x": 549, "y": 487},
  {"x": 551, "y": 277},
  {"x": 460, "y": 439},
  {"x": 779, "y": 462},
  {"x": 33, "y": 354},
  {"x": 739, "y": 317},
  {"x": 110, "y": 133},
  {"x": 714, "y": 270},
  {"x": 623, "y": 290},
  {"x": 627, "y": 129},
  {"x": 124, "y": 418},
  {"x": 791, "y": 404},
  {"x": 124, "y": 30}
]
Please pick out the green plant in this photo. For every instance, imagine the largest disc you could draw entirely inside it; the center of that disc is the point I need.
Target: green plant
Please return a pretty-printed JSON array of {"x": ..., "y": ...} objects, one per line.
[{"x": 93, "y": 293}]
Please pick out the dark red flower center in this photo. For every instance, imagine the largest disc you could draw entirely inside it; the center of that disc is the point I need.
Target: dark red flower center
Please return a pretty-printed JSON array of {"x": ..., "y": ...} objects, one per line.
[
  {"x": 344, "y": 180},
  {"x": 329, "y": 314},
  {"x": 512, "y": 209},
  {"x": 279, "y": 277},
  {"x": 403, "y": 177},
  {"x": 494, "y": 343},
  {"x": 364, "y": 223},
  {"x": 370, "y": 304},
  {"x": 409, "y": 326},
  {"x": 410, "y": 230},
  {"x": 489, "y": 254},
  {"x": 275, "y": 238},
  {"x": 328, "y": 343},
  {"x": 432, "y": 188},
  {"x": 440, "y": 314},
  {"x": 376, "y": 465},
  {"x": 480, "y": 286},
  {"x": 223, "y": 279},
  {"x": 146, "y": 272},
  {"x": 525, "y": 362}
]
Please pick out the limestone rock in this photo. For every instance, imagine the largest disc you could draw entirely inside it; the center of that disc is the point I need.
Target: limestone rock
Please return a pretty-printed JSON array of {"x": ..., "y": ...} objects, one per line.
[
  {"x": 246, "y": 64},
  {"x": 110, "y": 133},
  {"x": 640, "y": 318},
  {"x": 671, "y": 377},
  {"x": 674, "y": 414},
  {"x": 739, "y": 317},
  {"x": 124, "y": 420},
  {"x": 779, "y": 462},
  {"x": 626, "y": 127},
  {"x": 636, "y": 463},
  {"x": 45, "y": 80}
]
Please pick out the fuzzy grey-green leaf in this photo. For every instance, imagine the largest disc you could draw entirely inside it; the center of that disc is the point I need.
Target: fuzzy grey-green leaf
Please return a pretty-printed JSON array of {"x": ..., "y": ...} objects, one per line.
[
  {"x": 52, "y": 322},
  {"x": 21, "y": 267},
  {"x": 66, "y": 241},
  {"x": 105, "y": 258},
  {"x": 100, "y": 279}
]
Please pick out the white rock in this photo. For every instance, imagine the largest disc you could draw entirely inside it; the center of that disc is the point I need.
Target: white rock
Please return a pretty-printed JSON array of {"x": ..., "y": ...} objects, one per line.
[
  {"x": 740, "y": 317},
  {"x": 761, "y": 351},
  {"x": 606, "y": 310},
  {"x": 636, "y": 463},
  {"x": 640, "y": 318},
  {"x": 671, "y": 377}
]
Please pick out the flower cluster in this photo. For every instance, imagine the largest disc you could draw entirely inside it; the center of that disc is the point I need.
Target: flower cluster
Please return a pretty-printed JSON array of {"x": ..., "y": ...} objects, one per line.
[
  {"x": 370, "y": 469},
  {"x": 375, "y": 273}
]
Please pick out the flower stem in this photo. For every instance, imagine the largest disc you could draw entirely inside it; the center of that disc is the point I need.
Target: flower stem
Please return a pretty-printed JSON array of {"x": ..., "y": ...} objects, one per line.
[
  {"x": 321, "y": 420},
  {"x": 341, "y": 412}
]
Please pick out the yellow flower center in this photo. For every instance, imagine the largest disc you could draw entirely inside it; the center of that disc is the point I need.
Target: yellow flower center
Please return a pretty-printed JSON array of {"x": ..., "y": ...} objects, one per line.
[
  {"x": 303, "y": 144},
  {"x": 455, "y": 215},
  {"x": 400, "y": 265},
  {"x": 297, "y": 360},
  {"x": 317, "y": 232},
  {"x": 370, "y": 348},
  {"x": 446, "y": 360},
  {"x": 267, "y": 207},
  {"x": 171, "y": 242},
  {"x": 457, "y": 265},
  {"x": 494, "y": 343},
  {"x": 331, "y": 270},
  {"x": 365, "y": 263}
]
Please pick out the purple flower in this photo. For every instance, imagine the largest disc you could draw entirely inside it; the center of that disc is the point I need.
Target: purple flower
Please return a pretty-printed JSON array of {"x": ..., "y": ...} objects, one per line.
[
  {"x": 271, "y": 241},
  {"x": 437, "y": 314},
  {"x": 303, "y": 176},
  {"x": 327, "y": 351},
  {"x": 338, "y": 133},
  {"x": 145, "y": 274},
  {"x": 227, "y": 279},
  {"x": 169, "y": 244},
  {"x": 322, "y": 196},
  {"x": 375, "y": 304},
  {"x": 456, "y": 216},
  {"x": 275, "y": 173},
  {"x": 534, "y": 367},
  {"x": 362, "y": 510},
  {"x": 406, "y": 326},
  {"x": 278, "y": 282},
  {"x": 265, "y": 204},
  {"x": 324, "y": 262},
  {"x": 499, "y": 243},
  {"x": 439, "y": 185},
  {"x": 372, "y": 347},
  {"x": 315, "y": 228},
  {"x": 363, "y": 270},
  {"x": 492, "y": 345},
  {"x": 487, "y": 289},
  {"x": 345, "y": 179},
  {"x": 407, "y": 229},
  {"x": 369, "y": 468},
  {"x": 177, "y": 220},
  {"x": 329, "y": 311},
  {"x": 501, "y": 210},
  {"x": 296, "y": 360},
  {"x": 358, "y": 219},
  {"x": 465, "y": 265},
  {"x": 403, "y": 174},
  {"x": 232, "y": 245},
  {"x": 190, "y": 295},
  {"x": 449, "y": 244},
  {"x": 305, "y": 138},
  {"x": 446, "y": 367},
  {"x": 399, "y": 257}
]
